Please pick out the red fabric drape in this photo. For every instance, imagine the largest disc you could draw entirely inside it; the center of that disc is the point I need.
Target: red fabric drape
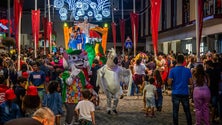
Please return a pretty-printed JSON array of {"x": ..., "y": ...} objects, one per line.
[
  {"x": 94, "y": 34},
  {"x": 17, "y": 15},
  {"x": 35, "y": 25},
  {"x": 122, "y": 31},
  {"x": 155, "y": 17},
  {"x": 49, "y": 31},
  {"x": 134, "y": 22},
  {"x": 114, "y": 33},
  {"x": 200, "y": 18}
]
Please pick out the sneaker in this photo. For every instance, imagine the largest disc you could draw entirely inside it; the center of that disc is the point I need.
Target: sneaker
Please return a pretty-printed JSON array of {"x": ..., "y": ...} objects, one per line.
[
  {"x": 109, "y": 112},
  {"x": 115, "y": 111},
  {"x": 121, "y": 97}
]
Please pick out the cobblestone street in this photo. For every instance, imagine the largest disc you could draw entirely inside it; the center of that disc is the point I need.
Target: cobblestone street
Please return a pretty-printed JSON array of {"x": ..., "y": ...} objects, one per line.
[{"x": 130, "y": 113}]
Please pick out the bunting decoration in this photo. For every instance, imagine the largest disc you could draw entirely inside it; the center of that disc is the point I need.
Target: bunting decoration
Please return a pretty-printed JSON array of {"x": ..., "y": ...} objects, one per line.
[
  {"x": 114, "y": 34},
  {"x": 122, "y": 32},
  {"x": 155, "y": 18}
]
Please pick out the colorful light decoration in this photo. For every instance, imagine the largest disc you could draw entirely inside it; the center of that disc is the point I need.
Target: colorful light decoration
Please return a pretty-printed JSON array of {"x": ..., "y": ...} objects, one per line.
[{"x": 83, "y": 9}]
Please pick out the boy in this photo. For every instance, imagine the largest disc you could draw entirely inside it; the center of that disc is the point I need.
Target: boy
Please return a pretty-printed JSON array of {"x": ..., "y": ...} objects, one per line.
[
  {"x": 150, "y": 94},
  {"x": 85, "y": 109}
]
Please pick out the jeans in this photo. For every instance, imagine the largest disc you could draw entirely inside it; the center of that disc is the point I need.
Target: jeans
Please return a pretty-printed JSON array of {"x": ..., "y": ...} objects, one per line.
[
  {"x": 184, "y": 99},
  {"x": 159, "y": 101},
  {"x": 133, "y": 89}
]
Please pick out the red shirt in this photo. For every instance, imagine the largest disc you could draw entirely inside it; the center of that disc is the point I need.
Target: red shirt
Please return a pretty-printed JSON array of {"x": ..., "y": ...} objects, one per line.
[{"x": 3, "y": 88}]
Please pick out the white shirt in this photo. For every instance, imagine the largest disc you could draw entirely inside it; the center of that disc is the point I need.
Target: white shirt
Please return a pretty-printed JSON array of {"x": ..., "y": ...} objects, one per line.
[
  {"x": 85, "y": 107},
  {"x": 139, "y": 69},
  {"x": 150, "y": 89}
]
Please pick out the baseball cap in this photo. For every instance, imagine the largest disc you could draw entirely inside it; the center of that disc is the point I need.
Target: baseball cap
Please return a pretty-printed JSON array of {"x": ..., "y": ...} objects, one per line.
[
  {"x": 32, "y": 90},
  {"x": 9, "y": 94}
]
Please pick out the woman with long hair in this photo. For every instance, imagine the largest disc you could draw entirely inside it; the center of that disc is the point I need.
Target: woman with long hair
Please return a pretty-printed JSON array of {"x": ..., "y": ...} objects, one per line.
[{"x": 201, "y": 95}]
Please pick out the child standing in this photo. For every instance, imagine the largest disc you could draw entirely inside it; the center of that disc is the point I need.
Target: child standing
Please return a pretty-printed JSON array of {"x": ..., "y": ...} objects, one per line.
[
  {"x": 85, "y": 110},
  {"x": 150, "y": 94},
  {"x": 53, "y": 100},
  {"x": 94, "y": 97}
]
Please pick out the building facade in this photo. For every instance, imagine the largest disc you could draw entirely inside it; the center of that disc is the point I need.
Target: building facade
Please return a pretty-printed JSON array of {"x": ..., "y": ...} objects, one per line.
[{"x": 177, "y": 30}]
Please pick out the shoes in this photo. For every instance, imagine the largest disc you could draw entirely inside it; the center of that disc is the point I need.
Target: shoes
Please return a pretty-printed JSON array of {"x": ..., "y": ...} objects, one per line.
[
  {"x": 121, "y": 97},
  {"x": 109, "y": 112},
  {"x": 115, "y": 111}
]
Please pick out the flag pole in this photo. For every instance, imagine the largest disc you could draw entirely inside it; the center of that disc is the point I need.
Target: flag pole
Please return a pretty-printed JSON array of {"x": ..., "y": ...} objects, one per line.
[
  {"x": 35, "y": 40},
  {"x": 122, "y": 19},
  {"x": 50, "y": 43},
  {"x": 197, "y": 31},
  {"x": 19, "y": 40},
  {"x": 9, "y": 19},
  {"x": 134, "y": 27}
]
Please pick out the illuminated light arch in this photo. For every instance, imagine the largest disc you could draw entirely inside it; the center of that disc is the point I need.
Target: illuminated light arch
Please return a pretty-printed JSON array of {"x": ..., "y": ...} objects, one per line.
[{"x": 82, "y": 8}]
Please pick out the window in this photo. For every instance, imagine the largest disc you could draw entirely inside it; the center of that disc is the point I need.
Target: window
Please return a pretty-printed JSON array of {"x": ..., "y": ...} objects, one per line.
[{"x": 189, "y": 48}]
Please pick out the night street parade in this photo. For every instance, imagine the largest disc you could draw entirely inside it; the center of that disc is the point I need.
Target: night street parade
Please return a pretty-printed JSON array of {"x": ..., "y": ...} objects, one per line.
[{"x": 110, "y": 62}]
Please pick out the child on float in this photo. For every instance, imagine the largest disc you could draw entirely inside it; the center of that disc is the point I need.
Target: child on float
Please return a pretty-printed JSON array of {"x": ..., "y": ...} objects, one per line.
[{"x": 150, "y": 94}]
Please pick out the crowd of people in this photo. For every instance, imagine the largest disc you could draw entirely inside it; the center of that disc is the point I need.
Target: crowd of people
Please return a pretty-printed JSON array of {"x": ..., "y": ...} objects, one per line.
[{"x": 39, "y": 84}]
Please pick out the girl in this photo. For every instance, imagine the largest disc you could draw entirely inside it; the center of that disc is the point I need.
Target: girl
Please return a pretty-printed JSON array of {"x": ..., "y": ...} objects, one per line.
[
  {"x": 158, "y": 84},
  {"x": 53, "y": 100}
]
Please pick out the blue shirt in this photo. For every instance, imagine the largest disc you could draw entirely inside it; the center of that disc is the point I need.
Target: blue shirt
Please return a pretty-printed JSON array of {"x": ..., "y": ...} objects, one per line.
[
  {"x": 54, "y": 102},
  {"x": 37, "y": 78},
  {"x": 9, "y": 112},
  {"x": 180, "y": 76}
]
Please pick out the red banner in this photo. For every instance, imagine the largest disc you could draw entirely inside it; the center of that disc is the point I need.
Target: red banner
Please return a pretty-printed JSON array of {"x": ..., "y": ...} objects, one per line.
[
  {"x": 200, "y": 18},
  {"x": 17, "y": 17},
  {"x": 155, "y": 18},
  {"x": 134, "y": 22},
  {"x": 35, "y": 25},
  {"x": 122, "y": 31},
  {"x": 49, "y": 32},
  {"x": 114, "y": 34}
]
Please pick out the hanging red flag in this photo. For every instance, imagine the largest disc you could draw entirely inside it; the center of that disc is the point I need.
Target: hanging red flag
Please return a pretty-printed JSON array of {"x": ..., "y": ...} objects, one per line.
[
  {"x": 122, "y": 31},
  {"x": 45, "y": 23},
  {"x": 134, "y": 22},
  {"x": 200, "y": 18},
  {"x": 155, "y": 18},
  {"x": 114, "y": 33},
  {"x": 17, "y": 17},
  {"x": 35, "y": 25},
  {"x": 49, "y": 32}
]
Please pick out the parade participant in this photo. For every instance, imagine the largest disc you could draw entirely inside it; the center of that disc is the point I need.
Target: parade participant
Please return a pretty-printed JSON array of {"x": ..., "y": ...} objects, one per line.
[
  {"x": 85, "y": 109},
  {"x": 180, "y": 77},
  {"x": 37, "y": 78},
  {"x": 74, "y": 81},
  {"x": 150, "y": 94},
  {"x": 8, "y": 109},
  {"x": 201, "y": 95},
  {"x": 53, "y": 100},
  {"x": 43, "y": 116},
  {"x": 109, "y": 78}
]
